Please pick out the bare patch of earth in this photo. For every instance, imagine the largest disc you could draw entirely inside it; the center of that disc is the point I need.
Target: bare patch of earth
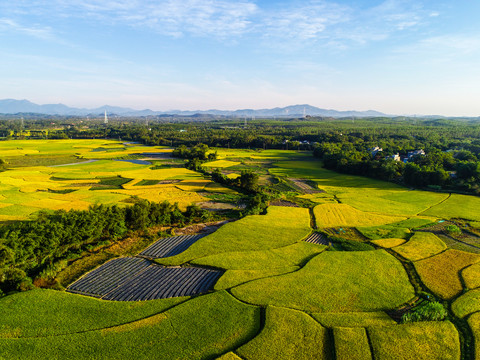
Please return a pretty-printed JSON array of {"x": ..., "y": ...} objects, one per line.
[
  {"x": 218, "y": 206},
  {"x": 203, "y": 228},
  {"x": 305, "y": 187},
  {"x": 283, "y": 203}
]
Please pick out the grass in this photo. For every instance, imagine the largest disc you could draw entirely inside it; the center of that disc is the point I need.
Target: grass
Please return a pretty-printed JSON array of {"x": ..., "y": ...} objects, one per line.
[
  {"x": 281, "y": 226},
  {"x": 204, "y": 327},
  {"x": 388, "y": 243},
  {"x": 351, "y": 343},
  {"x": 420, "y": 246},
  {"x": 467, "y": 304},
  {"x": 471, "y": 276},
  {"x": 332, "y": 282},
  {"x": 233, "y": 278},
  {"x": 41, "y": 313},
  {"x": 353, "y": 319},
  {"x": 415, "y": 341},
  {"x": 288, "y": 334},
  {"x": 457, "y": 206},
  {"x": 292, "y": 255},
  {"x": 335, "y": 215},
  {"x": 441, "y": 273}
]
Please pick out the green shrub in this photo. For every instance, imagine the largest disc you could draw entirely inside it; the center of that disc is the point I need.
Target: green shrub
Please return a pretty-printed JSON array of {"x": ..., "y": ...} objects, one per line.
[
  {"x": 426, "y": 311},
  {"x": 349, "y": 245},
  {"x": 453, "y": 229}
]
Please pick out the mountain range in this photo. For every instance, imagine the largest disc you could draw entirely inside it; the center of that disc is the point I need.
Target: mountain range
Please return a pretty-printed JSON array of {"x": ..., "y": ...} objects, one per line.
[{"x": 12, "y": 106}]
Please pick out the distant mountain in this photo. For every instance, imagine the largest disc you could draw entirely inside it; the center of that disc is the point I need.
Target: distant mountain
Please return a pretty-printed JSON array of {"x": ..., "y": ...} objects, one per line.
[{"x": 11, "y": 106}]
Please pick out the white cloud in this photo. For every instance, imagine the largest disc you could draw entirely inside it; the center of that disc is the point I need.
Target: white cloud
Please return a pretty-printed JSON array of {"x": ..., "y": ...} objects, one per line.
[
  {"x": 453, "y": 48},
  {"x": 216, "y": 18},
  {"x": 9, "y": 25},
  {"x": 291, "y": 21},
  {"x": 305, "y": 21},
  {"x": 384, "y": 20}
]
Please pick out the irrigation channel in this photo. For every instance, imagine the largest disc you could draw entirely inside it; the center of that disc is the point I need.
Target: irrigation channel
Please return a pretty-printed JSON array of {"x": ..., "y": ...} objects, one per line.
[{"x": 138, "y": 278}]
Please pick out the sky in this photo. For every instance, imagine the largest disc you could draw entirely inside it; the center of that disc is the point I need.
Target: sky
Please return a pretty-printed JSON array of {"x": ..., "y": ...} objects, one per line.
[{"x": 401, "y": 57}]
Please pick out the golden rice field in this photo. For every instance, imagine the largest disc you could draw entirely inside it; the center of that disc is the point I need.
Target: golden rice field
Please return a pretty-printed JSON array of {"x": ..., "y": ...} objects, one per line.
[
  {"x": 220, "y": 164},
  {"x": 388, "y": 243},
  {"x": 26, "y": 190},
  {"x": 471, "y": 276},
  {"x": 334, "y": 215},
  {"x": 441, "y": 273},
  {"x": 420, "y": 246}
]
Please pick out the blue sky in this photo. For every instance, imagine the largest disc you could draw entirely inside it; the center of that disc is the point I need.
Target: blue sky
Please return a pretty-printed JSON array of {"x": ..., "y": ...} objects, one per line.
[{"x": 394, "y": 56}]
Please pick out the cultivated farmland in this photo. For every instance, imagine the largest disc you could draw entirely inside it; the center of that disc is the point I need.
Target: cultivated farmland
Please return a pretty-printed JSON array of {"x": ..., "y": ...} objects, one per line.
[
  {"x": 277, "y": 285},
  {"x": 134, "y": 279}
]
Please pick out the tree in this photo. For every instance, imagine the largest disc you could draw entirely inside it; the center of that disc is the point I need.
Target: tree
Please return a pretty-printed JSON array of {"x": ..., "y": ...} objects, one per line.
[{"x": 248, "y": 180}]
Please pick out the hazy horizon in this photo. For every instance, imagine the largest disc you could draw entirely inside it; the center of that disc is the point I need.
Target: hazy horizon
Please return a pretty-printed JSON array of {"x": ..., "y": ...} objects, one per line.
[{"x": 393, "y": 56}]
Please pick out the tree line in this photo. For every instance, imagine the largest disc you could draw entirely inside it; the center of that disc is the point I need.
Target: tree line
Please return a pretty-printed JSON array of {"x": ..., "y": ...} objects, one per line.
[
  {"x": 29, "y": 249},
  {"x": 457, "y": 170}
]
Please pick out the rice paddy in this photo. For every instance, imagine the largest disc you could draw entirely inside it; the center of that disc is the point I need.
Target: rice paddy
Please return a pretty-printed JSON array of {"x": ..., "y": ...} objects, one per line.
[
  {"x": 288, "y": 296},
  {"x": 204, "y": 327},
  {"x": 336, "y": 215},
  {"x": 233, "y": 278},
  {"x": 441, "y": 273},
  {"x": 420, "y": 246},
  {"x": 381, "y": 284},
  {"x": 457, "y": 206},
  {"x": 423, "y": 340},
  {"x": 40, "y": 313},
  {"x": 467, "y": 304},
  {"x": 220, "y": 164},
  {"x": 292, "y": 255},
  {"x": 40, "y": 187},
  {"x": 288, "y": 334},
  {"x": 388, "y": 243},
  {"x": 474, "y": 323},
  {"x": 351, "y": 343},
  {"x": 353, "y": 319},
  {"x": 281, "y": 226},
  {"x": 471, "y": 276}
]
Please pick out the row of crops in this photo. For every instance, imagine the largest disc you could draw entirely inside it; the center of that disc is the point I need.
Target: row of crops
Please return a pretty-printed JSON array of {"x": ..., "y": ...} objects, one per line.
[
  {"x": 109, "y": 276},
  {"x": 135, "y": 279},
  {"x": 317, "y": 238},
  {"x": 157, "y": 282},
  {"x": 170, "y": 246}
]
